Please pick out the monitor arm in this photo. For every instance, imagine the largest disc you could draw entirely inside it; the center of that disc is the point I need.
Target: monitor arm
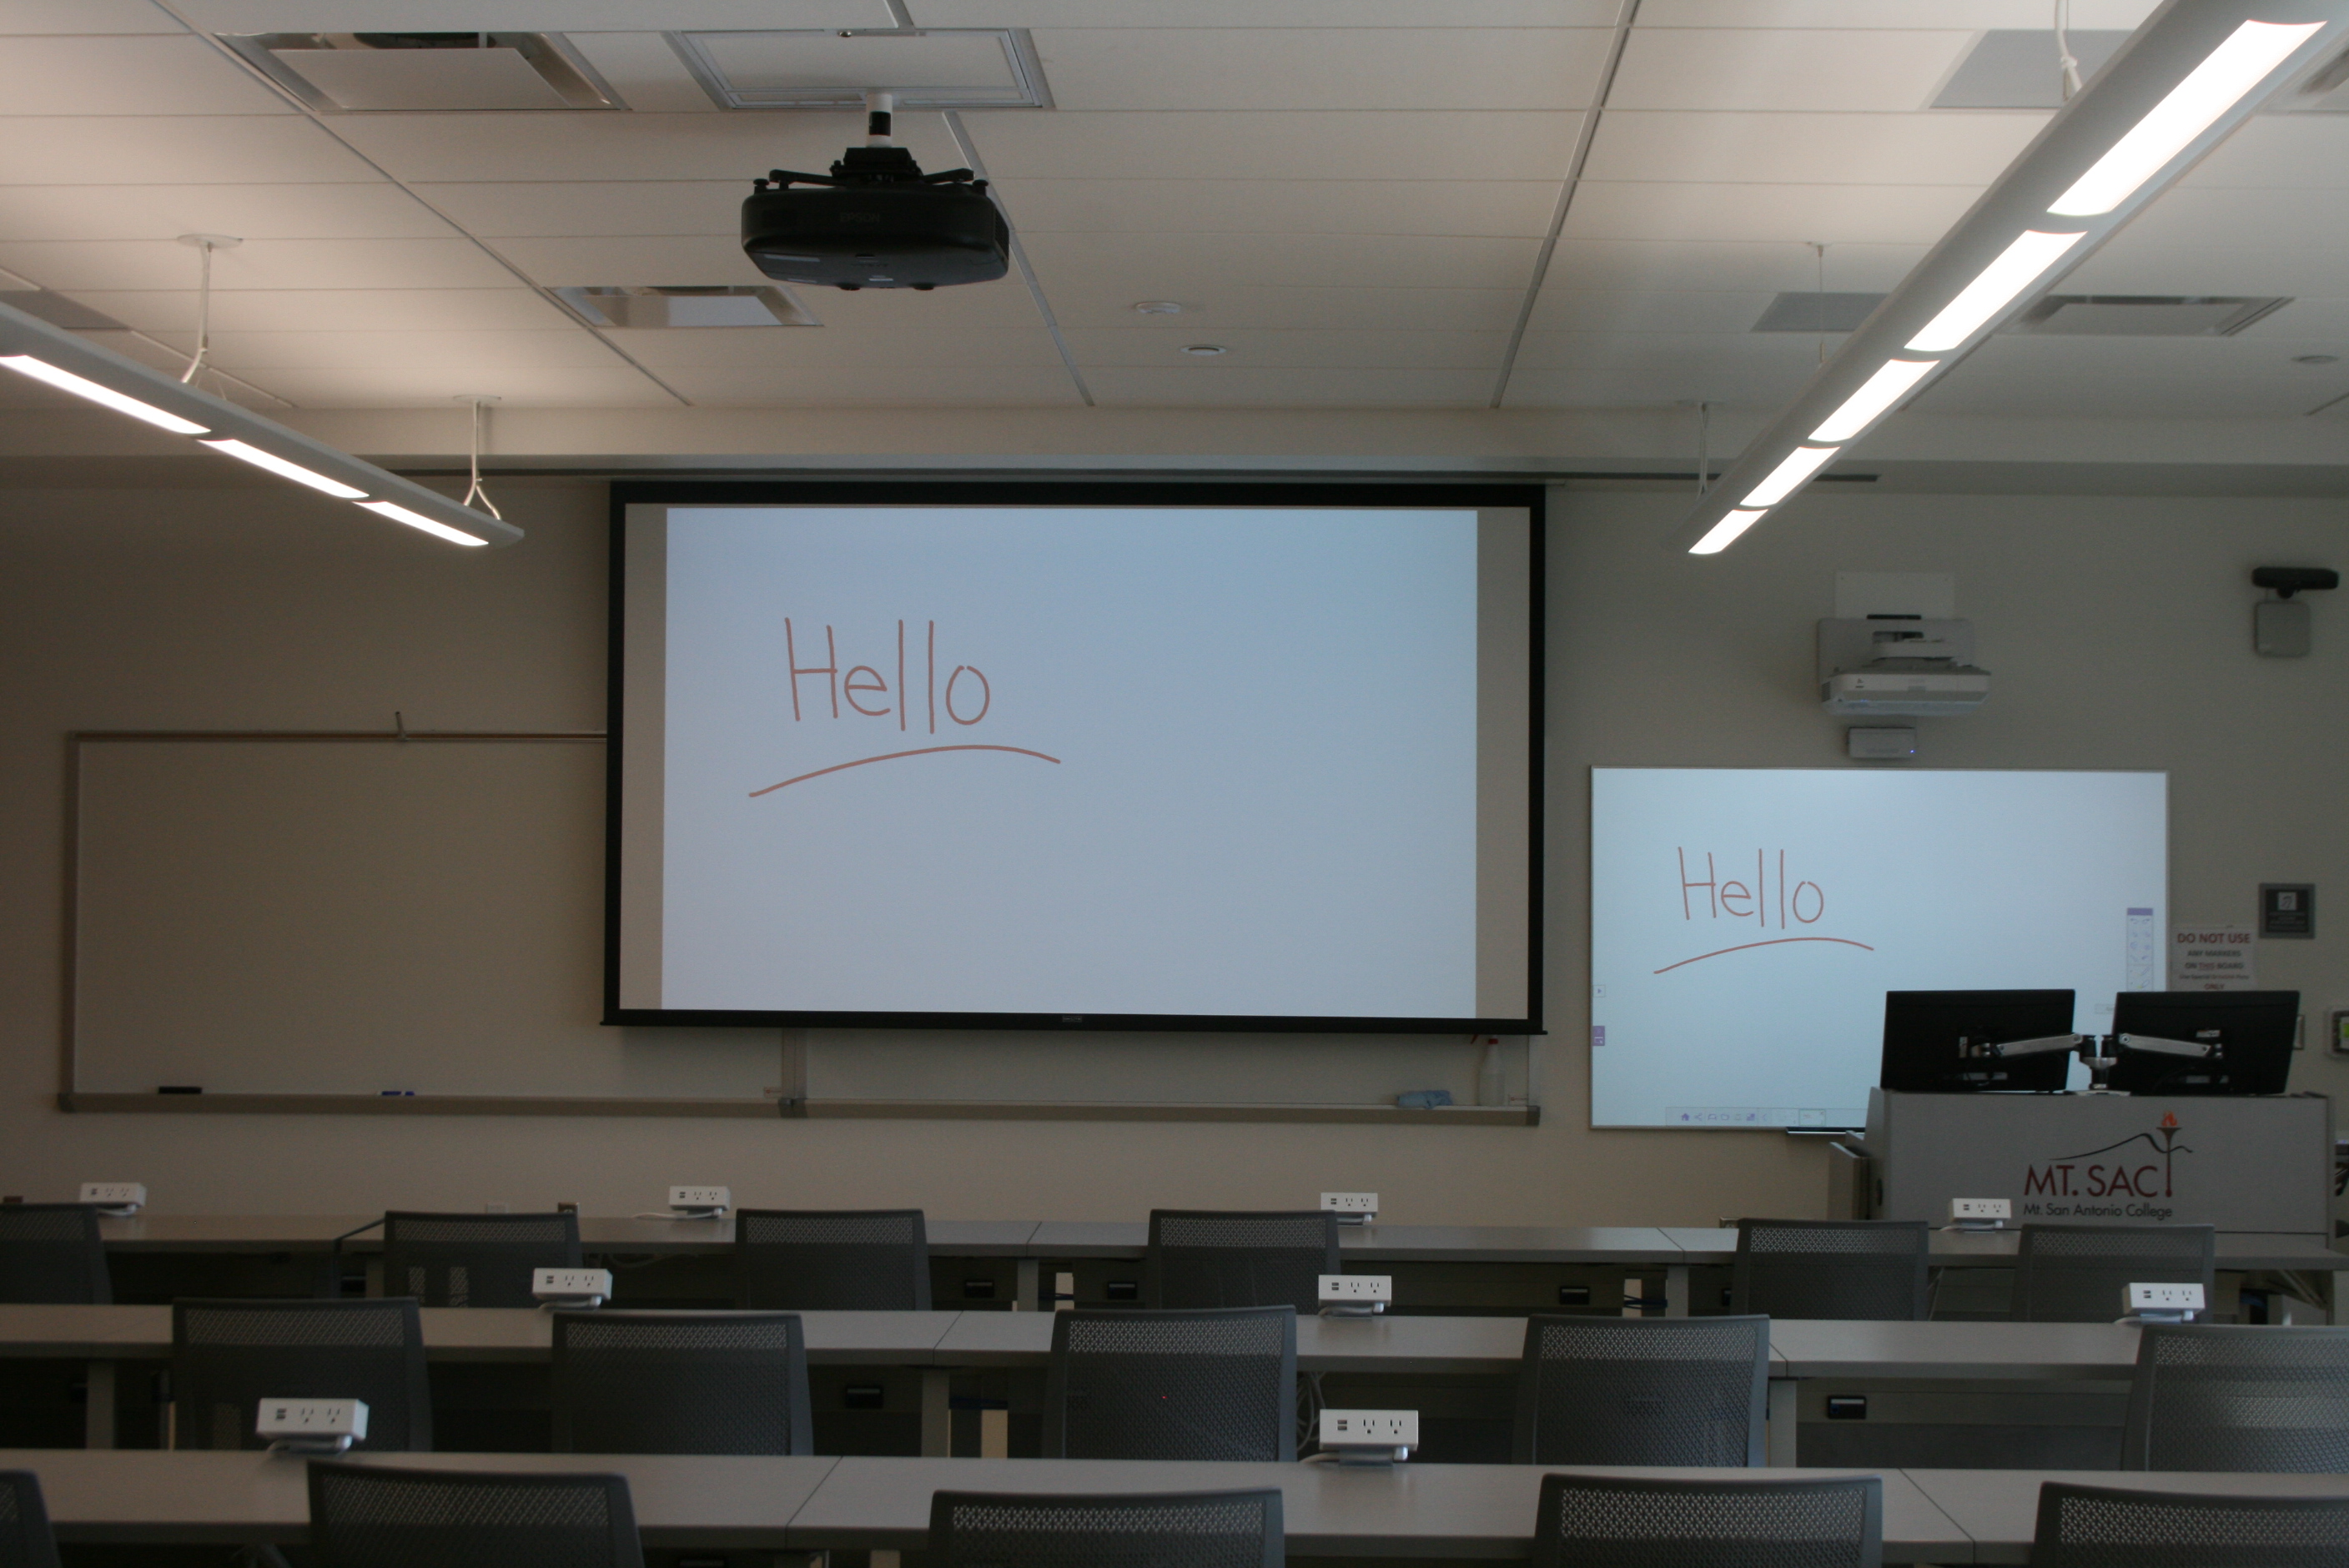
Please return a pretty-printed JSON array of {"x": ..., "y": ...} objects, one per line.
[
  {"x": 2199, "y": 1049},
  {"x": 2039, "y": 1047}
]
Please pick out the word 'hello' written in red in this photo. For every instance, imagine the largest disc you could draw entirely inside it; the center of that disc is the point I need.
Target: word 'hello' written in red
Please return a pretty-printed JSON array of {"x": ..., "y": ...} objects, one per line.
[
  {"x": 1739, "y": 901},
  {"x": 864, "y": 684}
]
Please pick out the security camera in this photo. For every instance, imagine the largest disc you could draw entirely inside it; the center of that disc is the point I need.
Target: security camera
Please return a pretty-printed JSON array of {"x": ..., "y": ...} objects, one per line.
[{"x": 2288, "y": 581}]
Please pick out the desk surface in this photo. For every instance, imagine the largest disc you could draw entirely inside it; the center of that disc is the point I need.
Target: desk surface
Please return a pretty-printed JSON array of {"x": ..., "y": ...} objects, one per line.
[
  {"x": 1995, "y": 1249},
  {"x": 2026, "y": 1351}
]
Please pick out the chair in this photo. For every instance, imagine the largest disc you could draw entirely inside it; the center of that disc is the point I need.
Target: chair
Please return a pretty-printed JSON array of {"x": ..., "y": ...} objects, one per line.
[
  {"x": 229, "y": 1355},
  {"x": 1208, "y": 1257},
  {"x": 1642, "y": 1391},
  {"x": 26, "y": 1540},
  {"x": 2081, "y": 1274},
  {"x": 832, "y": 1260},
  {"x": 1218, "y": 1384},
  {"x": 2112, "y": 1527},
  {"x": 51, "y": 1252},
  {"x": 680, "y": 1383},
  {"x": 2214, "y": 1396},
  {"x": 1626, "y": 1523},
  {"x": 1852, "y": 1269},
  {"x": 474, "y": 1260},
  {"x": 1147, "y": 1529},
  {"x": 363, "y": 1516}
]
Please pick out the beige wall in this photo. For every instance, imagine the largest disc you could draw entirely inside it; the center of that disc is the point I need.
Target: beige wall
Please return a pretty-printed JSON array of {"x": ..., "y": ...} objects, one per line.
[{"x": 2119, "y": 632}]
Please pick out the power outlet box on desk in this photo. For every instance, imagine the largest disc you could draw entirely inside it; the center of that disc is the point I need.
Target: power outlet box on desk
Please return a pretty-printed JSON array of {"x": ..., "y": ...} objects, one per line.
[
  {"x": 700, "y": 1202},
  {"x": 2164, "y": 1302},
  {"x": 1353, "y": 1207},
  {"x": 571, "y": 1287},
  {"x": 114, "y": 1197},
  {"x": 1370, "y": 1437},
  {"x": 1980, "y": 1213},
  {"x": 1356, "y": 1295},
  {"x": 312, "y": 1426}
]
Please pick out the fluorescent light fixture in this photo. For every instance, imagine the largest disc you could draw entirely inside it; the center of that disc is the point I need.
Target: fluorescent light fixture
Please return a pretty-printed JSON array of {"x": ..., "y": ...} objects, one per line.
[
  {"x": 106, "y": 396},
  {"x": 2017, "y": 268},
  {"x": 1789, "y": 476},
  {"x": 286, "y": 471},
  {"x": 1878, "y": 394},
  {"x": 1722, "y": 533},
  {"x": 413, "y": 519},
  {"x": 2232, "y": 69}
]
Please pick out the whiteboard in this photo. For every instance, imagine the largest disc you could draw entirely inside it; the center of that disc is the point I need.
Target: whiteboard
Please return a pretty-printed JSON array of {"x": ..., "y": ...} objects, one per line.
[
  {"x": 347, "y": 915},
  {"x": 1745, "y": 922}
]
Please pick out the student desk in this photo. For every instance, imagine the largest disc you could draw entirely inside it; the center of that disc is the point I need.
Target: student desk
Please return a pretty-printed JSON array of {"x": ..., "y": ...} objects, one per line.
[{"x": 1998, "y": 1509}]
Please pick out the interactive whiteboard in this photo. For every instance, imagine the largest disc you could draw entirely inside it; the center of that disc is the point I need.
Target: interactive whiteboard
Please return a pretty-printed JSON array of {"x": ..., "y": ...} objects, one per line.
[
  {"x": 1117, "y": 758},
  {"x": 1747, "y": 923}
]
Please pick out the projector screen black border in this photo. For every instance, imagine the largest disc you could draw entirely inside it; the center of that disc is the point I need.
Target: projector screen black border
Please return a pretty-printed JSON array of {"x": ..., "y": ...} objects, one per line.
[{"x": 1088, "y": 491}]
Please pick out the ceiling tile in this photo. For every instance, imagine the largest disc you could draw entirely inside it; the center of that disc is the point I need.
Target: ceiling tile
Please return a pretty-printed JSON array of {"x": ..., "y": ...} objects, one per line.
[
  {"x": 572, "y": 209},
  {"x": 1800, "y": 214},
  {"x": 1245, "y": 13},
  {"x": 2314, "y": 324},
  {"x": 98, "y": 264},
  {"x": 1177, "y": 266},
  {"x": 1002, "y": 387},
  {"x": 795, "y": 350},
  {"x": 531, "y": 16},
  {"x": 221, "y": 149},
  {"x": 1778, "y": 354},
  {"x": 1748, "y": 68},
  {"x": 1792, "y": 148},
  {"x": 742, "y": 146},
  {"x": 1371, "y": 347},
  {"x": 1335, "y": 144},
  {"x": 263, "y": 353},
  {"x": 19, "y": 17},
  {"x": 668, "y": 259},
  {"x": 380, "y": 211},
  {"x": 1488, "y": 207},
  {"x": 1002, "y": 305},
  {"x": 2278, "y": 151},
  {"x": 1592, "y": 388},
  {"x": 2085, "y": 376},
  {"x": 1230, "y": 307},
  {"x": 1323, "y": 69},
  {"x": 122, "y": 75},
  {"x": 646, "y": 74},
  {"x": 1876, "y": 14},
  {"x": 333, "y": 310},
  {"x": 1726, "y": 267},
  {"x": 1596, "y": 310},
  {"x": 425, "y": 386},
  {"x": 1242, "y": 386}
]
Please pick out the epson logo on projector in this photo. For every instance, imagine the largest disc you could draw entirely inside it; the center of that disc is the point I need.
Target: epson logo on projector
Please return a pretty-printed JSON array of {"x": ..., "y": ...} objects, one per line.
[{"x": 902, "y": 683}]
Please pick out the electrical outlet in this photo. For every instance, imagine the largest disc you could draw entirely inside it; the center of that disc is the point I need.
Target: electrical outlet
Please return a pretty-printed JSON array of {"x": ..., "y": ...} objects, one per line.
[
  {"x": 701, "y": 1202},
  {"x": 1357, "y": 1295},
  {"x": 312, "y": 1426},
  {"x": 114, "y": 1197},
  {"x": 1980, "y": 1213},
  {"x": 1353, "y": 1207},
  {"x": 1370, "y": 1437},
  {"x": 2165, "y": 1298},
  {"x": 569, "y": 1288}
]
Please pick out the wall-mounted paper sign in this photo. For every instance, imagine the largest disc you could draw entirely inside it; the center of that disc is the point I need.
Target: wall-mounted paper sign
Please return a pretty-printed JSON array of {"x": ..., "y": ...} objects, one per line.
[{"x": 2214, "y": 958}]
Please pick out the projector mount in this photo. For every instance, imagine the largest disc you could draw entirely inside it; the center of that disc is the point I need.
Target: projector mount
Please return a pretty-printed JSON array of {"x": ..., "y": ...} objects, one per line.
[{"x": 880, "y": 162}]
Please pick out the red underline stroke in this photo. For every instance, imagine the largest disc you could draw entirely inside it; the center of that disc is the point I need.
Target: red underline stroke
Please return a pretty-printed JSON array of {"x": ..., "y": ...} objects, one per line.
[
  {"x": 1774, "y": 942},
  {"x": 892, "y": 756}
]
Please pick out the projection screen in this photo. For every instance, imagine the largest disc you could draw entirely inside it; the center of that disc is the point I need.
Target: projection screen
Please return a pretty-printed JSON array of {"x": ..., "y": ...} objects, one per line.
[{"x": 1076, "y": 755}]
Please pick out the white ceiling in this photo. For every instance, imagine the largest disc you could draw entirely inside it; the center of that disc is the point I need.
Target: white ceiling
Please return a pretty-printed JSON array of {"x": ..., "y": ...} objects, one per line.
[{"x": 1354, "y": 205}]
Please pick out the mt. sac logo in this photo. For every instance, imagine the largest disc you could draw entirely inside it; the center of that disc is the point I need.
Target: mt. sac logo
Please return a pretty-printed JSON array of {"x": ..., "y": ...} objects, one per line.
[{"x": 2148, "y": 1173}]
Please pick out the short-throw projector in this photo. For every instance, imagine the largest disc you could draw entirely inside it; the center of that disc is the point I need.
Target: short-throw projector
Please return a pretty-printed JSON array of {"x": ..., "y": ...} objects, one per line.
[
  {"x": 1900, "y": 665},
  {"x": 876, "y": 221}
]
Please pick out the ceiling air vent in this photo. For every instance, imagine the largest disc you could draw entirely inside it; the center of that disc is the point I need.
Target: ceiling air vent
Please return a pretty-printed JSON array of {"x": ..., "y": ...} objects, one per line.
[
  {"x": 2020, "y": 68},
  {"x": 426, "y": 73},
  {"x": 674, "y": 306},
  {"x": 2144, "y": 315},
  {"x": 1818, "y": 311},
  {"x": 925, "y": 68}
]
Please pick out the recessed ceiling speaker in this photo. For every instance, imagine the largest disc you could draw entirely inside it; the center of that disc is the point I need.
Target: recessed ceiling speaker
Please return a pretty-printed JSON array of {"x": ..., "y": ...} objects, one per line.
[{"x": 876, "y": 221}]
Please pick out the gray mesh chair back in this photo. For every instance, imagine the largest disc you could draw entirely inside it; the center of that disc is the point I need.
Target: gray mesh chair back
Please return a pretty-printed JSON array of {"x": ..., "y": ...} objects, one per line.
[
  {"x": 365, "y": 1517},
  {"x": 832, "y": 1260},
  {"x": 1160, "y": 1530},
  {"x": 2081, "y": 1274},
  {"x": 229, "y": 1355},
  {"x": 680, "y": 1383},
  {"x": 1624, "y": 1524},
  {"x": 2214, "y": 1396},
  {"x": 51, "y": 1252},
  {"x": 1642, "y": 1391},
  {"x": 1217, "y": 1385},
  {"x": 1208, "y": 1257},
  {"x": 1872, "y": 1269},
  {"x": 24, "y": 1538},
  {"x": 2109, "y": 1527},
  {"x": 474, "y": 1260}
]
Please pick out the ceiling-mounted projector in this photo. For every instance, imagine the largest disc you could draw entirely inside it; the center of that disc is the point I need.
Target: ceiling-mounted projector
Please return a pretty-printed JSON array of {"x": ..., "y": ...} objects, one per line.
[{"x": 876, "y": 221}]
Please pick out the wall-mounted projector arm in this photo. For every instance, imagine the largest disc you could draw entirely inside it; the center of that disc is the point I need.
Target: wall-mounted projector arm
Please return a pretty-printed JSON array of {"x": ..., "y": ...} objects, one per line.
[
  {"x": 2198, "y": 1050},
  {"x": 2040, "y": 1045}
]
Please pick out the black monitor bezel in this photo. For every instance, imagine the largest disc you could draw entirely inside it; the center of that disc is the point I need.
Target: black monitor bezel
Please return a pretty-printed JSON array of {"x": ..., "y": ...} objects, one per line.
[
  {"x": 2154, "y": 1073},
  {"x": 2044, "y": 1073}
]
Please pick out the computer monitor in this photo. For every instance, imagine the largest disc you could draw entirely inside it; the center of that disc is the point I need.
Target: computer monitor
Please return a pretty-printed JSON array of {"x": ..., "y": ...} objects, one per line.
[
  {"x": 1948, "y": 1042},
  {"x": 2204, "y": 1042}
]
